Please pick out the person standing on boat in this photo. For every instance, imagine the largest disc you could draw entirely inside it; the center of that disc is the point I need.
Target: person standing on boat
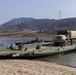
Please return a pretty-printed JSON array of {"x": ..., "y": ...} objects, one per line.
[
  {"x": 38, "y": 47},
  {"x": 11, "y": 47},
  {"x": 20, "y": 46},
  {"x": 1, "y": 43}
]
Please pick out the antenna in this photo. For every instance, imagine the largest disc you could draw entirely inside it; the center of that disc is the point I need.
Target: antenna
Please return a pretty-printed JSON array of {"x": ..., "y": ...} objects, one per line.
[{"x": 59, "y": 14}]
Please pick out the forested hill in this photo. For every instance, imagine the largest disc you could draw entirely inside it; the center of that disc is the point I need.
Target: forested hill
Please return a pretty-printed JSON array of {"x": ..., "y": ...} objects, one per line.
[{"x": 40, "y": 24}]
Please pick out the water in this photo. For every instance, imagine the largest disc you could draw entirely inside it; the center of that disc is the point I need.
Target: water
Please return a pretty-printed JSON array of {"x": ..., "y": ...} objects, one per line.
[
  {"x": 66, "y": 59},
  {"x": 7, "y": 41}
]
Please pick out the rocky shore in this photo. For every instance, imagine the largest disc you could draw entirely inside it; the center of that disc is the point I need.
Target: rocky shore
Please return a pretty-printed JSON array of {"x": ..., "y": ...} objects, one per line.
[{"x": 32, "y": 67}]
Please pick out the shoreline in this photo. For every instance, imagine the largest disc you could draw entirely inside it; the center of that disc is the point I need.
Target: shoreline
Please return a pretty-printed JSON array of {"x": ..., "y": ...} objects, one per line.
[
  {"x": 25, "y": 33},
  {"x": 33, "y": 67}
]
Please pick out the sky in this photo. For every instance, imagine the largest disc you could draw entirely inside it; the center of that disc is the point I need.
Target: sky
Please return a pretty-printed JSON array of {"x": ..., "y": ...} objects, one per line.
[{"x": 39, "y": 9}]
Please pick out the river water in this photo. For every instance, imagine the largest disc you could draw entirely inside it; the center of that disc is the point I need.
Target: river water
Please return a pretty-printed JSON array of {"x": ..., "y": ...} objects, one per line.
[{"x": 66, "y": 59}]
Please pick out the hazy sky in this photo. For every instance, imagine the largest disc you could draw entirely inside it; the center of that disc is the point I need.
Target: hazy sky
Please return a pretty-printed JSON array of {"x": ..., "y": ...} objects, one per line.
[{"x": 10, "y": 9}]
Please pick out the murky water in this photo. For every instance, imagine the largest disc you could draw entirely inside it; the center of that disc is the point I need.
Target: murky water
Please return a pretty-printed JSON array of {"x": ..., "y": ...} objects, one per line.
[{"x": 66, "y": 59}]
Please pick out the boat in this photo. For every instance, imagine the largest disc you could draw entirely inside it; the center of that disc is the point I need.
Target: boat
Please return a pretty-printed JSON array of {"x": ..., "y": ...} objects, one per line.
[{"x": 64, "y": 41}]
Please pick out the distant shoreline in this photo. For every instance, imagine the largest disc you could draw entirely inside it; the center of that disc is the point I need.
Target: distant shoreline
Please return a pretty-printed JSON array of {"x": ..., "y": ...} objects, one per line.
[{"x": 25, "y": 33}]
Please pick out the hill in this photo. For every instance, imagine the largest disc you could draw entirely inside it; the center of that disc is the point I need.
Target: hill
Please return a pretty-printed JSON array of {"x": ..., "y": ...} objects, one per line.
[
  {"x": 15, "y": 21},
  {"x": 40, "y": 24}
]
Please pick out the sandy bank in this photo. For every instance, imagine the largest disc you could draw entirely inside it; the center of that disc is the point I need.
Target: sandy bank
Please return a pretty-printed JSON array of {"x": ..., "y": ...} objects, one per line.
[{"x": 30, "y": 67}]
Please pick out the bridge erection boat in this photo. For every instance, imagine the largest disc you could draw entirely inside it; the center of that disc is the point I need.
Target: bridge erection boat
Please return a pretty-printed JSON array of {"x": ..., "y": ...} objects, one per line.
[{"x": 64, "y": 41}]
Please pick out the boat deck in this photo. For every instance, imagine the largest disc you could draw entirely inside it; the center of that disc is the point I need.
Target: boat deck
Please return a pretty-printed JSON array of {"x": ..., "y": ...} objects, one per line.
[{"x": 45, "y": 48}]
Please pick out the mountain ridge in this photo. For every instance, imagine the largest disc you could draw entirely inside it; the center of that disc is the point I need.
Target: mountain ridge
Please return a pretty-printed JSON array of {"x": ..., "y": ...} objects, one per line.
[{"x": 39, "y": 24}]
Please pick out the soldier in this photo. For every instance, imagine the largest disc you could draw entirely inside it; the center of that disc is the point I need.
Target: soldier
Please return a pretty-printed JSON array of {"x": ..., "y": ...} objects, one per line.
[
  {"x": 20, "y": 46},
  {"x": 38, "y": 47},
  {"x": 11, "y": 47}
]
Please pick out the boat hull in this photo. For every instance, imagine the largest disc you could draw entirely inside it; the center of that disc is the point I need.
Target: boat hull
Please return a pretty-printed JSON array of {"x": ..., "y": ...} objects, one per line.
[
  {"x": 45, "y": 50},
  {"x": 49, "y": 52}
]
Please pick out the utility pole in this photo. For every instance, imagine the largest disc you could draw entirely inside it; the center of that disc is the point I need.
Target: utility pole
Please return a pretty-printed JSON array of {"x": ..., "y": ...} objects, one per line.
[
  {"x": 18, "y": 21},
  {"x": 59, "y": 14}
]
